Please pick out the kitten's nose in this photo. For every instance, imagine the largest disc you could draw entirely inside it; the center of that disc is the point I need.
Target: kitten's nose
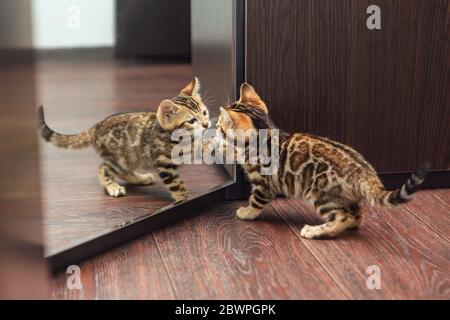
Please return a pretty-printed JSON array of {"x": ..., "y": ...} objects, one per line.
[{"x": 206, "y": 124}]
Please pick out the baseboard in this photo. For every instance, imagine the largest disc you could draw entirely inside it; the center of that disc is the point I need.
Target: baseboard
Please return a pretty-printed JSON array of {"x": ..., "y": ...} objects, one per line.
[
  {"x": 102, "y": 53},
  {"x": 75, "y": 53},
  {"x": 434, "y": 180}
]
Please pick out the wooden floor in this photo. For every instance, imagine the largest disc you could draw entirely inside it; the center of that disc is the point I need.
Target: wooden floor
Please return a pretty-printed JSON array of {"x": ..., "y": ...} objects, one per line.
[
  {"x": 216, "y": 256},
  {"x": 78, "y": 90}
]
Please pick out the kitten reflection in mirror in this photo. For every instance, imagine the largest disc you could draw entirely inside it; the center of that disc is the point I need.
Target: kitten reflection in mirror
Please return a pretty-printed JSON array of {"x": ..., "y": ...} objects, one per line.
[
  {"x": 330, "y": 175},
  {"x": 131, "y": 144}
]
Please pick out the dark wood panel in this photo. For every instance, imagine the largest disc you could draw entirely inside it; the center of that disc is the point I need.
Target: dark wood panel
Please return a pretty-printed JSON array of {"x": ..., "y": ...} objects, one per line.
[
  {"x": 271, "y": 55},
  {"x": 156, "y": 28},
  {"x": 384, "y": 92},
  {"x": 412, "y": 257}
]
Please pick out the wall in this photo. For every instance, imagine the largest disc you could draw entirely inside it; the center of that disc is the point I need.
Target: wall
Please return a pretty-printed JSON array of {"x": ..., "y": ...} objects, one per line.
[
  {"x": 23, "y": 272},
  {"x": 73, "y": 23}
]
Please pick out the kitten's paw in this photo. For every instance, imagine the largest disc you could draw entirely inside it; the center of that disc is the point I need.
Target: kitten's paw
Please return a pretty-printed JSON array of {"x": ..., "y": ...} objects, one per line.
[
  {"x": 115, "y": 191},
  {"x": 309, "y": 232},
  {"x": 246, "y": 213},
  {"x": 314, "y": 232}
]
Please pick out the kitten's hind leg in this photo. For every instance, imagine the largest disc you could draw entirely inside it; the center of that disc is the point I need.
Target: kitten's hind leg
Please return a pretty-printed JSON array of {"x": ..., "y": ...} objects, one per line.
[
  {"x": 337, "y": 215},
  {"x": 258, "y": 199},
  {"x": 106, "y": 177},
  {"x": 338, "y": 221},
  {"x": 356, "y": 212}
]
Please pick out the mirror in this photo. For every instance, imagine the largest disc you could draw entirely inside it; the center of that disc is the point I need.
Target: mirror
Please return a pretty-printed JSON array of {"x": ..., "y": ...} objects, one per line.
[{"x": 99, "y": 58}]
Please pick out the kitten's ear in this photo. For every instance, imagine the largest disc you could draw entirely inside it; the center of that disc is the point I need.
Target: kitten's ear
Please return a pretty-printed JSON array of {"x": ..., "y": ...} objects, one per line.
[
  {"x": 249, "y": 96},
  {"x": 192, "y": 89},
  {"x": 167, "y": 112},
  {"x": 226, "y": 117},
  {"x": 236, "y": 120}
]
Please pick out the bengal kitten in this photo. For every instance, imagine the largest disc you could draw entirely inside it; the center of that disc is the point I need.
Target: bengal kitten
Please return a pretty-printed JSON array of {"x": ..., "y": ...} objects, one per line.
[
  {"x": 133, "y": 143},
  {"x": 330, "y": 175}
]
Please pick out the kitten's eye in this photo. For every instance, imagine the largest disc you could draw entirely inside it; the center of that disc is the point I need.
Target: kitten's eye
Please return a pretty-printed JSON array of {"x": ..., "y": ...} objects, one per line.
[
  {"x": 205, "y": 113},
  {"x": 192, "y": 121}
]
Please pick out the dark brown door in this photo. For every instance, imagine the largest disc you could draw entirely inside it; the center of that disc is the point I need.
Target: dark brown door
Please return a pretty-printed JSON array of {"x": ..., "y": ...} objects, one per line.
[
  {"x": 153, "y": 29},
  {"x": 384, "y": 91}
]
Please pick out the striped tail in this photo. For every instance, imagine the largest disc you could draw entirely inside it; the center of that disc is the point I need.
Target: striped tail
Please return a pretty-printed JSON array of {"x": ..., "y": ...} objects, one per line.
[
  {"x": 389, "y": 199},
  {"x": 76, "y": 141}
]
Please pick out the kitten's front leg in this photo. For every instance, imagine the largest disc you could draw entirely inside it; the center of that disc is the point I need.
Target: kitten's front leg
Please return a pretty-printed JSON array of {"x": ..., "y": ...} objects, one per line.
[
  {"x": 248, "y": 213},
  {"x": 168, "y": 173},
  {"x": 106, "y": 177},
  {"x": 258, "y": 199}
]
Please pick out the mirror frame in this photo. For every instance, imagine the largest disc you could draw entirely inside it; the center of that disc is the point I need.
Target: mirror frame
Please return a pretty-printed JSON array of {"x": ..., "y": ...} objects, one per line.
[{"x": 231, "y": 190}]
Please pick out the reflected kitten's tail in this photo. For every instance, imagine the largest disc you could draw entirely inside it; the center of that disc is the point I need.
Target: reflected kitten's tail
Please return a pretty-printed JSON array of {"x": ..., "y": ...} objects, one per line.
[
  {"x": 387, "y": 198},
  {"x": 76, "y": 141}
]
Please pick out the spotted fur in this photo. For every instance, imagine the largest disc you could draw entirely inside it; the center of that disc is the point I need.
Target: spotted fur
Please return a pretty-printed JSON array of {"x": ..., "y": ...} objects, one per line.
[
  {"x": 332, "y": 176},
  {"x": 131, "y": 144}
]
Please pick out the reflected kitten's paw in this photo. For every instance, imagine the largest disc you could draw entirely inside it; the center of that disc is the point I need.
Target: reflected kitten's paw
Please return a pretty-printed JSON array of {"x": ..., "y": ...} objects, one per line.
[
  {"x": 246, "y": 213},
  {"x": 180, "y": 197},
  {"x": 147, "y": 179},
  {"x": 115, "y": 190}
]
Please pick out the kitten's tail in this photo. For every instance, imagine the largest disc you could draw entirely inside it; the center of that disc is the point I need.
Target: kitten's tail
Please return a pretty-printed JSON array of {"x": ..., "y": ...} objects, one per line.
[
  {"x": 386, "y": 198},
  {"x": 76, "y": 141}
]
